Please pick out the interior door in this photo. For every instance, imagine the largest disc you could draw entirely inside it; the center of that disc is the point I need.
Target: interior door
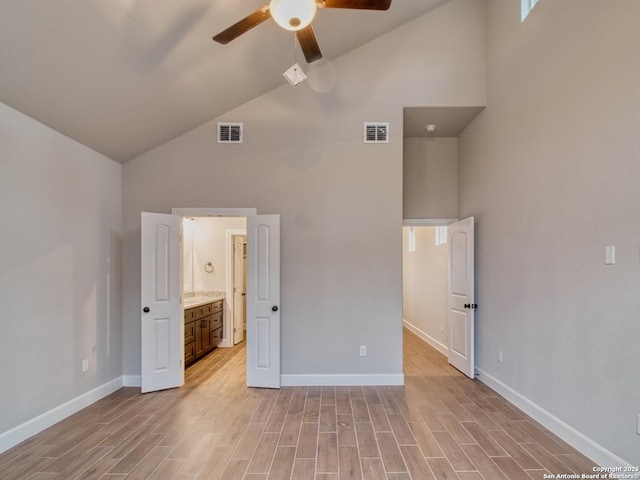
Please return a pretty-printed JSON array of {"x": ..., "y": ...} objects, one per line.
[
  {"x": 238, "y": 288},
  {"x": 461, "y": 296},
  {"x": 162, "y": 325},
  {"x": 263, "y": 301}
]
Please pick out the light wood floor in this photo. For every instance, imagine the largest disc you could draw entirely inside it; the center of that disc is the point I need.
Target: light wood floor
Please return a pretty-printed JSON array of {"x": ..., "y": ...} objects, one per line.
[{"x": 440, "y": 425}]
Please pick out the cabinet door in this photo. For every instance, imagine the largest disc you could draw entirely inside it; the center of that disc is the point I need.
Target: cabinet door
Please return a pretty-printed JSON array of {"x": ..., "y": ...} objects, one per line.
[
  {"x": 216, "y": 337},
  {"x": 199, "y": 334},
  {"x": 206, "y": 334},
  {"x": 216, "y": 321},
  {"x": 189, "y": 353},
  {"x": 189, "y": 332}
]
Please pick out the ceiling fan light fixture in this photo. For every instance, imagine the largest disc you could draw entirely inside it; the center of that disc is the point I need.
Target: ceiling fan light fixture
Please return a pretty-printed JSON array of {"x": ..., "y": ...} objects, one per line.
[{"x": 293, "y": 15}]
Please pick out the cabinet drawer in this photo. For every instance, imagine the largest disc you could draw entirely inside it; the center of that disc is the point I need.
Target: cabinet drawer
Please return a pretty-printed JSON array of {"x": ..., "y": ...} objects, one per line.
[
  {"x": 189, "y": 353},
  {"x": 216, "y": 321},
  {"x": 216, "y": 336},
  {"x": 217, "y": 307},
  {"x": 203, "y": 310},
  {"x": 189, "y": 315},
  {"x": 189, "y": 332}
]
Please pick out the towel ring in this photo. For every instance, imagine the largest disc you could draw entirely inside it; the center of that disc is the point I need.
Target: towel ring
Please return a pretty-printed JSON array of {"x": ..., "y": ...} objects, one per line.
[{"x": 208, "y": 267}]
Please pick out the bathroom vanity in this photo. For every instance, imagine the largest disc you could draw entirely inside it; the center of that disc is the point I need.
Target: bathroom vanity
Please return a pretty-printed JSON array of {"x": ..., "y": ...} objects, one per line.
[{"x": 202, "y": 328}]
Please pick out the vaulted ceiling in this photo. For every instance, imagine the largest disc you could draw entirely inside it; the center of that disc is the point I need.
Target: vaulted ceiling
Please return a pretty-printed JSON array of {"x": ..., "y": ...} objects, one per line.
[{"x": 124, "y": 76}]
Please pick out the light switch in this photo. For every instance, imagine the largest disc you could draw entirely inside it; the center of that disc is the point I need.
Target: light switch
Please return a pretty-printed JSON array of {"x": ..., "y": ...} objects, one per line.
[{"x": 610, "y": 255}]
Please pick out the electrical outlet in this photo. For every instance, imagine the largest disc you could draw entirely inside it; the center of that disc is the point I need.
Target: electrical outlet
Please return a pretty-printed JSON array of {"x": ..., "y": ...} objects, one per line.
[
  {"x": 442, "y": 328},
  {"x": 363, "y": 350},
  {"x": 85, "y": 365},
  {"x": 500, "y": 356},
  {"x": 638, "y": 425}
]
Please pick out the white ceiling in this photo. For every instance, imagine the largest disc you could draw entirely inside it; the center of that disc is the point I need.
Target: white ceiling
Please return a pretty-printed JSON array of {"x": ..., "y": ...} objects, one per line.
[
  {"x": 449, "y": 121},
  {"x": 124, "y": 76}
]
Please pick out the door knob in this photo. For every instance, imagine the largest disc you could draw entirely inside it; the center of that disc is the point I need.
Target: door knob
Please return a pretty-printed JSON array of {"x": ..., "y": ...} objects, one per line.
[
  {"x": 274, "y": 308},
  {"x": 146, "y": 310}
]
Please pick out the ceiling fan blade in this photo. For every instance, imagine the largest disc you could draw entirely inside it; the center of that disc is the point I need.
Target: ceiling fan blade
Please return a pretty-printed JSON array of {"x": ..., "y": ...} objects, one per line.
[
  {"x": 357, "y": 4},
  {"x": 309, "y": 44},
  {"x": 243, "y": 26}
]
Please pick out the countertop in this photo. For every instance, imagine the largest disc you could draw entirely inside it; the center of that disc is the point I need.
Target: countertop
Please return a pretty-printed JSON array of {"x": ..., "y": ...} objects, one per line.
[{"x": 190, "y": 302}]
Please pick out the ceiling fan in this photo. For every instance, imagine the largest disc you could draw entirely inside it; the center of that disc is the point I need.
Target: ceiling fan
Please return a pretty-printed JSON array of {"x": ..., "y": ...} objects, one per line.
[{"x": 296, "y": 16}]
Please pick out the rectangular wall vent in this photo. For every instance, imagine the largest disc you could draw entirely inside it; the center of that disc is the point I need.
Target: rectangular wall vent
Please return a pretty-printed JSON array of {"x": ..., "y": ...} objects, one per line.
[
  {"x": 376, "y": 132},
  {"x": 229, "y": 132}
]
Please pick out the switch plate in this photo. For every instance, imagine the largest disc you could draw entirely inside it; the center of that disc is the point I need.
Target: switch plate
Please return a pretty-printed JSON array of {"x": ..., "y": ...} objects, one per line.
[
  {"x": 610, "y": 255},
  {"x": 638, "y": 425},
  {"x": 85, "y": 365},
  {"x": 363, "y": 350}
]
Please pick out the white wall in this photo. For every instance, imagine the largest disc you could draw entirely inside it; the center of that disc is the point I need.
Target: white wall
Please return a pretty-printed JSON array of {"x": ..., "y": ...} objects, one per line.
[
  {"x": 209, "y": 245},
  {"x": 425, "y": 274},
  {"x": 550, "y": 171},
  {"x": 340, "y": 200},
  {"x": 60, "y": 275},
  {"x": 430, "y": 178}
]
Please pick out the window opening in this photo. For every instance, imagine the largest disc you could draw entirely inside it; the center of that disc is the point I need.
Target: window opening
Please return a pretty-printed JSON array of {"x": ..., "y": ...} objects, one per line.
[
  {"x": 412, "y": 239},
  {"x": 526, "y": 7},
  {"x": 441, "y": 236}
]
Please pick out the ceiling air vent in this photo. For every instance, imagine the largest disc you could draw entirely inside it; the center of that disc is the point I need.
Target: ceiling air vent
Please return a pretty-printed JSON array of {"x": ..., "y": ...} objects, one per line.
[
  {"x": 376, "y": 132},
  {"x": 229, "y": 132}
]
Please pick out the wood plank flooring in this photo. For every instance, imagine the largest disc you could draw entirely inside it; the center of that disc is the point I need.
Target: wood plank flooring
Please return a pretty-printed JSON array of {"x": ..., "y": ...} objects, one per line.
[{"x": 441, "y": 426}]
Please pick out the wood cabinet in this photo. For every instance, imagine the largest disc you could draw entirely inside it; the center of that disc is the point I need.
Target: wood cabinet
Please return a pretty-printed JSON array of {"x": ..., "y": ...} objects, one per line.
[{"x": 202, "y": 330}]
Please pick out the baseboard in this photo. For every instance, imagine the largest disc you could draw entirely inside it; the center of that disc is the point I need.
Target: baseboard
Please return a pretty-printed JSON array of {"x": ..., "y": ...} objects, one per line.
[
  {"x": 341, "y": 380},
  {"x": 441, "y": 347},
  {"x": 12, "y": 437},
  {"x": 131, "y": 380},
  {"x": 577, "y": 440}
]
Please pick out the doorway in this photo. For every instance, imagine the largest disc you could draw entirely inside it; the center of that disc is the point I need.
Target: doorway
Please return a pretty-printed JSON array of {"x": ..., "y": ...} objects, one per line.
[
  {"x": 425, "y": 273},
  {"x": 163, "y": 338},
  {"x": 439, "y": 288},
  {"x": 213, "y": 255},
  {"x": 238, "y": 280}
]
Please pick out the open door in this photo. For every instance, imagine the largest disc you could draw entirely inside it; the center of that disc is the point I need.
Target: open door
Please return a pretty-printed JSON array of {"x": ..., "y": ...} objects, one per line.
[
  {"x": 162, "y": 325},
  {"x": 263, "y": 301},
  {"x": 461, "y": 296},
  {"x": 238, "y": 289}
]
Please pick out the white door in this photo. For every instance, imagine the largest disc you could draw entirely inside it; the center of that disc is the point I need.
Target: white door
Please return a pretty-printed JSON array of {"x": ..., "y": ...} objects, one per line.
[
  {"x": 461, "y": 296},
  {"x": 263, "y": 301},
  {"x": 238, "y": 288},
  {"x": 162, "y": 325}
]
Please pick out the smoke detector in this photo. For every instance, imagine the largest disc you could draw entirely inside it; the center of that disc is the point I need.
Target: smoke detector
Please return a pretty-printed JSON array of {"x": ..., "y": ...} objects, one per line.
[{"x": 430, "y": 128}]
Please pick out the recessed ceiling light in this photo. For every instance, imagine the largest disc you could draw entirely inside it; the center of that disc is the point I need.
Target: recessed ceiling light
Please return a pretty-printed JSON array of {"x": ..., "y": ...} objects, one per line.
[{"x": 430, "y": 128}]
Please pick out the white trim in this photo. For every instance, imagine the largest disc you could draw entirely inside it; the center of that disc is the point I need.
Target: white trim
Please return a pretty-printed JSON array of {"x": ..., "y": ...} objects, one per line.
[
  {"x": 441, "y": 347},
  {"x": 131, "y": 381},
  {"x": 427, "y": 222},
  {"x": 341, "y": 380},
  {"x": 214, "y": 212},
  {"x": 228, "y": 329},
  {"x": 573, "y": 437},
  {"x": 12, "y": 437}
]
